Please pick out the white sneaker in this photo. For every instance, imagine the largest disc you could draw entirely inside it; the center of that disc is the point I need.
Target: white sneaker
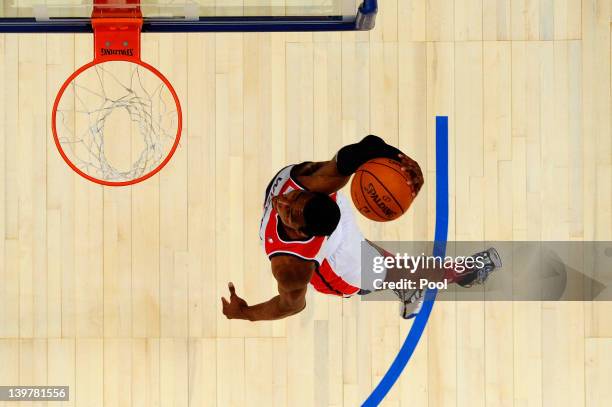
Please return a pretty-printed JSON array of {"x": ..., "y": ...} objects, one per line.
[{"x": 411, "y": 302}]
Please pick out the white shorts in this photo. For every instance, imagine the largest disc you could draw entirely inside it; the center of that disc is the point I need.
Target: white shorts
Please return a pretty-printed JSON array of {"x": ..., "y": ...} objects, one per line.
[{"x": 345, "y": 249}]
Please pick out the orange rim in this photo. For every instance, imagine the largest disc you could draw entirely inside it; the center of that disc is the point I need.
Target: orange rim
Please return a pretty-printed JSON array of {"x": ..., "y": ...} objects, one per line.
[{"x": 117, "y": 183}]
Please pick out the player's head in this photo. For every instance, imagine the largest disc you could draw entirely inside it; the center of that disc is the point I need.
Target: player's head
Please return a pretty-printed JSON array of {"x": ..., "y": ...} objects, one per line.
[{"x": 310, "y": 213}]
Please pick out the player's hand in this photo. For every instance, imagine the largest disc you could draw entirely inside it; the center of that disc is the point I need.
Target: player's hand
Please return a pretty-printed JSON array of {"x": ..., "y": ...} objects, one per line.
[
  {"x": 234, "y": 308},
  {"x": 414, "y": 171}
]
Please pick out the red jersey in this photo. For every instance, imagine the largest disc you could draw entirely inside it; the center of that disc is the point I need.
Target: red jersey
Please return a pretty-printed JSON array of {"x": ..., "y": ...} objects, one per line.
[{"x": 317, "y": 249}]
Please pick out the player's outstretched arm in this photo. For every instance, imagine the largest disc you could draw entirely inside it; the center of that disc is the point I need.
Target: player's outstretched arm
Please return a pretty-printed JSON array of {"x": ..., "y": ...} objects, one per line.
[
  {"x": 292, "y": 275},
  {"x": 330, "y": 176}
]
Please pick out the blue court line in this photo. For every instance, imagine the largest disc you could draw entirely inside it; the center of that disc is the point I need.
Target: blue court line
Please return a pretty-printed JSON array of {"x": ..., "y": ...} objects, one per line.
[{"x": 441, "y": 233}]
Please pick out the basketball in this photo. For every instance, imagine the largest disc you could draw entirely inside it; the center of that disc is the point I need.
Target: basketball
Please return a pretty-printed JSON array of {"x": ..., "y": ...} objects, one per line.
[{"x": 380, "y": 190}]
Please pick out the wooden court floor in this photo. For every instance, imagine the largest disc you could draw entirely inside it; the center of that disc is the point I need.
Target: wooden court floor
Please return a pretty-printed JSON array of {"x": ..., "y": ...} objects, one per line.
[{"x": 115, "y": 292}]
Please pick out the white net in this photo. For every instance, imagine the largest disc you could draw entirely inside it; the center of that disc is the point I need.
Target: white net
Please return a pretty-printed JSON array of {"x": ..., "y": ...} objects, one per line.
[{"x": 117, "y": 121}]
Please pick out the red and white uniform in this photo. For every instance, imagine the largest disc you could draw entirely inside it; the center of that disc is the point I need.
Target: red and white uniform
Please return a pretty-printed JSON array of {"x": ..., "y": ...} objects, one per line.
[{"x": 338, "y": 256}]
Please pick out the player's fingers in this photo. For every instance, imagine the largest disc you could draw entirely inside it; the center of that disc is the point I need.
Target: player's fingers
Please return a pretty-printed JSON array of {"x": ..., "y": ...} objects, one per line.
[
  {"x": 415, "y": 175},
  {"x": 225, "y": 307},
  {"x": 417, "y": 183},
  {"x": 232, "y": 289},
  {"x": 405, "y": 158},
  {"x": 408, "y": 170},
  {"x": 413, "y": 169},
  {"x": 411, "y": 166},
  {"x": 411, "y": 179}
]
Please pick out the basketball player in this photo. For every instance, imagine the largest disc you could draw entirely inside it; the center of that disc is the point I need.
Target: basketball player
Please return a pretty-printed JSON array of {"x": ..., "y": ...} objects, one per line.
[{"x": 311, "y": 237}]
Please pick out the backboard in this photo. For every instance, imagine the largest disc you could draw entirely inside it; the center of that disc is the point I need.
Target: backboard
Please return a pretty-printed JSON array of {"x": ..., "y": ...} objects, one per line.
[
  {"x": 195, "y": 15},
  {"x": 117, "y": 80}
]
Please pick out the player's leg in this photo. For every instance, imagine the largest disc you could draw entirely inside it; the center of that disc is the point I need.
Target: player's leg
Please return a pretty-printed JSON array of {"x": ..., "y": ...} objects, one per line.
[{"x": 405, "y": 284}]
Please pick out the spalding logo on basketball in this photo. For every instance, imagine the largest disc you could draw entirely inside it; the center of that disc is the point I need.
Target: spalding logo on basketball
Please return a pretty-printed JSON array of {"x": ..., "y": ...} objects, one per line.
[{"x": 380, "y": 190}]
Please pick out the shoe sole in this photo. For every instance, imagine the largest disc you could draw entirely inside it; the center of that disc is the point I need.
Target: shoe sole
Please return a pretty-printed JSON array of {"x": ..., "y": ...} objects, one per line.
[{"x": 495, "y": 258}]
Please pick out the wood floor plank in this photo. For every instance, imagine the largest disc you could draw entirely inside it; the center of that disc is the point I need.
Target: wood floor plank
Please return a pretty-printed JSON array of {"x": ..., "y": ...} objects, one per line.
[
  {"x": 597, "y": 368},
  {"x": 496, "y": 20}
]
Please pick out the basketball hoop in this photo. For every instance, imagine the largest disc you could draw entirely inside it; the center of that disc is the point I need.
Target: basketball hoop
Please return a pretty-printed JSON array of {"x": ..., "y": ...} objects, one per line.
[{"x": 116, "y": 81}]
